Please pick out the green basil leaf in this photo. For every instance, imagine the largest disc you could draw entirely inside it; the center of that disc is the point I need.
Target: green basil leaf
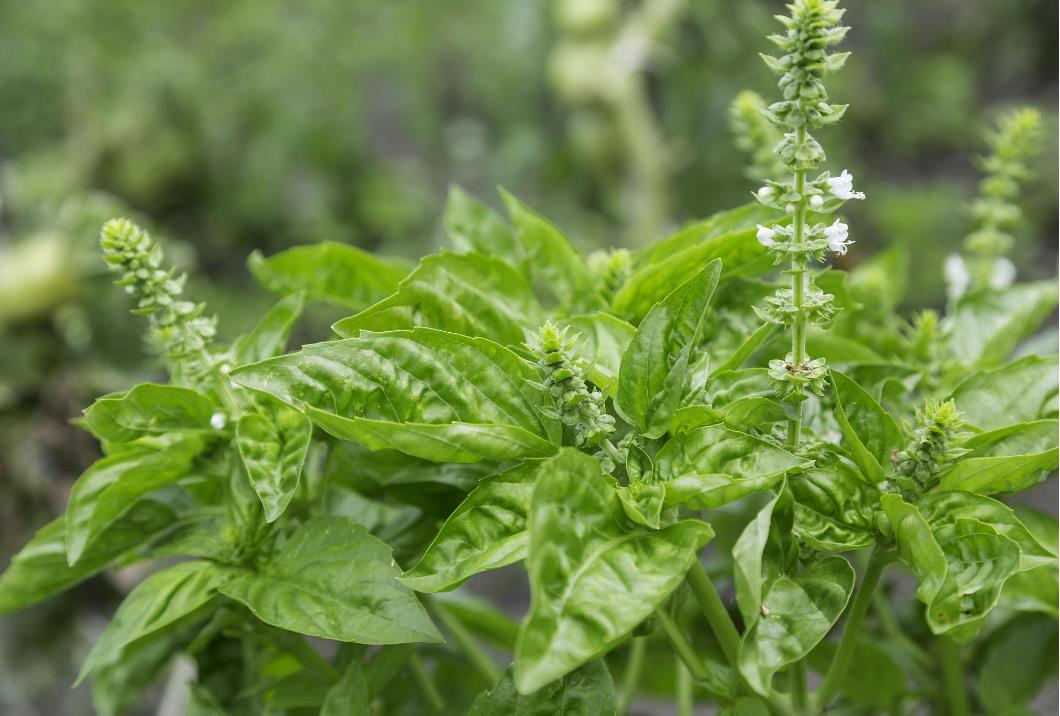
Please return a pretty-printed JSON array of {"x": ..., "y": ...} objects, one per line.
[
  {"x": 334, "y": 580},
  {"x": 591, "y": 586},
  {"x": 869, "y": 432},
  {"x": 796, "y": 614},
  {"x": 1019, "y": 439},
  {"x": 553, "y": 260},
  {"x": 337, "y": 274},
  {"x": 1003, "y": 473},
  {"x": 435, "y": 395},
  {"x": 944, "y": 507},
  {"x": 1036, "y": 590},
  {"x": 985, "y": 326},
  {"x": 269, "y": 337},
  {"x": 159, "y": 601},
  {"x": 652, "y": 376},
  {"x": 586, "y": 691},
  {"x": 643, "y": 503},
  {"x": 606, "y": 339},
  {"x": 482, "y": 618},
  {"x": 835, "y": 509},
  {"x": 273, "y": 444},
  {"x": 115, "y": 483},
  {"x": 1020, "y": 392},
  {"x": 760, "y": 554},
  {"x": 961, "y": 566},
  {"x": 40, "y": 569},
  {"x": 1016, "y": 662},
  {"x": 471, "y": 294},
  {"x": 742, "y": 218},
  {"x": 743, "y": 414},
  {"x": 148, "y": 409},
  {"x": 487, "y": 531},
  {"x": 473, "y": 226},
  {"x": 735, "y": 361},
  {"x": 350, "y": 696},
  {"x": 201, "y": 703},
  {"x": 713, "y": 465}
]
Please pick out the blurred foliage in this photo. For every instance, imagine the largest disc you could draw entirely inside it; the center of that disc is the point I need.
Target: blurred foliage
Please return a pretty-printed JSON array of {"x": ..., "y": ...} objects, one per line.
[{"x": 243, "y": 125}]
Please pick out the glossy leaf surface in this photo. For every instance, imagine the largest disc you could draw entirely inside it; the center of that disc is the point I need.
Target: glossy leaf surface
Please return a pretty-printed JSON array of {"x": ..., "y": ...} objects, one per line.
[
  {"x": 587, "y": 691},
  {"x": 273, "y": 444}
]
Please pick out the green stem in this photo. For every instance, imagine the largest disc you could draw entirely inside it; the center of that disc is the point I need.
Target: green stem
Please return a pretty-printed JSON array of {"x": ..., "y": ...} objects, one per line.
[
  {"x": 425, "y": 685},
  {"x": 953, "y": 677},
  {"x": 682, "y": 646},
  {"x": 715, "y": 612},
  {"x": 485, "y": 665},
  {"x": 634, "y": 666},
  {"x": 851, "y": 631},
  {"x": 683, "y": 690},
  {"x": 798, "y": 292},
  {"x": 798, "y": 686},
  {"x": 882, "y": 608}
]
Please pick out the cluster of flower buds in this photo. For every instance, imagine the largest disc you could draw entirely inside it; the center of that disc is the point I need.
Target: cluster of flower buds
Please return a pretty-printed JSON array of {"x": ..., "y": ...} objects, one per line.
[
  {"x": 935, "y": 443},
  {"x": 557, "y": 352},
  {"x": 811, "y": 29},
  {"x": 754, "y": 135},
  {"x": 611, "y": 269},
  {"x": 178, "y": 328},
  {"x": 1015, "y": 141}
]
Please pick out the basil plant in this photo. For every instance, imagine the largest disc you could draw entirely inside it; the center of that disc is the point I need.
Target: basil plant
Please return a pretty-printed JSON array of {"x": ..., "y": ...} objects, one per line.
[{"x": 766, "y": 491}]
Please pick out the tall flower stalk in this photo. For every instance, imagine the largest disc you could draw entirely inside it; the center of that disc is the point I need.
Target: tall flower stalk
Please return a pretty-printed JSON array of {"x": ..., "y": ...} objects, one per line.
[{"x": 812, "y": 27}]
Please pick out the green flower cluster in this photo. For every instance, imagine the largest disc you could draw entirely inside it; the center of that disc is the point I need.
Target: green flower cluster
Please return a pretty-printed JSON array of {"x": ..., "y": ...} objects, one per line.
[
  {"x": 754, "y": 135},
  {"x": 934, "y": 444},
  {"x": 611, "y": 269},
  {"x": 179, "y": 329},
  {"x": 811, "y": 29},
  {"x": 557, "y": 358}
]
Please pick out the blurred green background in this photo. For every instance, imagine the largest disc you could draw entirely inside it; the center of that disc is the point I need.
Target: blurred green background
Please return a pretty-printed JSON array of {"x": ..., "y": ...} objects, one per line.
[{"x": 260, "y": 124}]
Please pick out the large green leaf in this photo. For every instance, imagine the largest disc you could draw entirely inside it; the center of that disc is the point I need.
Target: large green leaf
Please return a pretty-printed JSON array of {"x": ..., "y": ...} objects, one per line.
[
  {"x": 435, "y": 395},
  {"x": 487, "y": 531},
  {"x": 1002, "y": 473},
  {"x": 870, "y": 434},
  {"x": 587, "y": 691},
  {"x": 961, "y": 566},
  {"x": 350, "y": 696},
  {"x": 148, "y": 409},
  {"x": 835, "y": 509},
  {"x": 606, "y": 339},
  {"x": 269, "y": 337},
  {"x": 1018, "y": 439},
  {"x": 985, "y": 326},
  {"x": 1036, "y": 590},
  {"x": 796, "y": 614},
  {"x": 472, "y": 294},
  {"x": 1020, "y": 392},
  {"x": 334, "y": 580},
  {"x": 273, "y": 443},
  {"x": 652, "y": 376},
  {"x": 710, "y": 466},
  {"x": 473, "y": 226},
  {"x": 338, "y": 274},
  {"x": 593, "y": 577},
  {"x": 742, "y": 218},
  {"x": 1016, "y": 662},
  {"x": 760, "y": 554},
  {"x": 160, "y": 600},
  {"x": 553, "y": 261},
  {"x": 115, "y": 483},
  {"x": 40, "y": 569}
]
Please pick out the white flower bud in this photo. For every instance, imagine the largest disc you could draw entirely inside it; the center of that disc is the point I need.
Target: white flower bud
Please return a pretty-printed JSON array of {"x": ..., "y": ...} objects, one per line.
[
  {"x": 790, "y": 209},
  {"x": 957, "y": 276},
  {"x": 842, "y": 186},
  {"x": 837, "y": 237},
  {"x": 765, "y": 236},
  {"x": 218, "y": 421},
  {"x": 816, "y": 202},
  {"x": 1003, "y": 274},
  {"x": 766, "y": 194}
]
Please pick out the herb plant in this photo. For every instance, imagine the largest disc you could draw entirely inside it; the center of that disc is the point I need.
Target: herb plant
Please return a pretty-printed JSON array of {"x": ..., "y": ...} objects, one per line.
[{"x": 599, "y": 422}]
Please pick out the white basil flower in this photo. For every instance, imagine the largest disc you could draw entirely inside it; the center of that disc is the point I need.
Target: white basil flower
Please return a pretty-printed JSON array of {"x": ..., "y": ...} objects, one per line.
[
  {"x": 842, "y": 186},
  {"x": 957, "y": 276},
  {"x": 218, "y": 421},
  {"x": 766, "y": 194},
  {"x": 765, "y": 236},
  {"x": 816, "y": 202},
  {"x": 837, "y": 237},
  {"x": 1003, "y": 274}
]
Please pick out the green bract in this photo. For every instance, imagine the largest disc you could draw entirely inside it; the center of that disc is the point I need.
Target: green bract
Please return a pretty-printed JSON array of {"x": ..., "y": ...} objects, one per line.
[{"x": 591, "y": 423}]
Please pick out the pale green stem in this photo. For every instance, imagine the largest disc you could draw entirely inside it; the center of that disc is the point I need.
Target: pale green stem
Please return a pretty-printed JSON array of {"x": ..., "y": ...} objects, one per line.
[
  {"x": 681, "y": 645},
  {"x": 798, "y": 292},
  {"x": 634, "y": 666},
  {"x": 425, "y": 685},
  {"x": 851, "y": 632},
  {"x": 683, "y": 690},
  {"x": 953, "y": 677},
  {"x": 798, "y": 685},
  {"x": 485, "y": 665},
  {"x": 715, "y": 612}
]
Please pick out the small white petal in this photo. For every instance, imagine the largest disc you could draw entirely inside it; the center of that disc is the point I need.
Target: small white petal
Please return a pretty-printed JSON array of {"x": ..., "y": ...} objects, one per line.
[
  {"x": 765, "y": 236},
  {"x": 957, "y": 275},
  {"x": 218, "y": 421},
  {"x": 816, "y": 202},
  {"x": 1003, "y": 275},
  {"x": 790, "y": 208},
  {"x": 766, "y": 193},
  {"x": 836, "y": 234}
]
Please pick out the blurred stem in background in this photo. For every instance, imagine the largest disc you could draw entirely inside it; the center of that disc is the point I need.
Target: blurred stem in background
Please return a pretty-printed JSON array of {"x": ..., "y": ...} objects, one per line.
[{"x": 599, "y": 62}]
